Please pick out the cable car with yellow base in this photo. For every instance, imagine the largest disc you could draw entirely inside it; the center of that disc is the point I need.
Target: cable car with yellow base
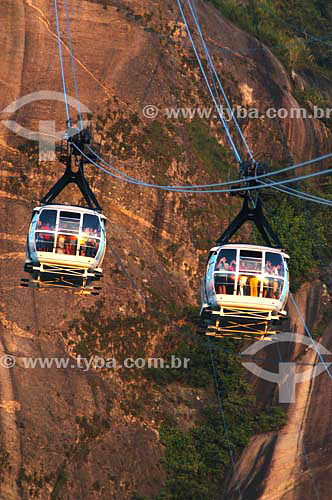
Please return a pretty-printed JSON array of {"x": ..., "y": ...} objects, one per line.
[
  {"x": 66, "y": 244},
  {"x": 245, "y": 287}
]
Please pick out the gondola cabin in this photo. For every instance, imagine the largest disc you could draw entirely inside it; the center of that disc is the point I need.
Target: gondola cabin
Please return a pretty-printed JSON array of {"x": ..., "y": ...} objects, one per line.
[
  {"x": 246, "y": 287},
  {"x": 65, "y": 246}
]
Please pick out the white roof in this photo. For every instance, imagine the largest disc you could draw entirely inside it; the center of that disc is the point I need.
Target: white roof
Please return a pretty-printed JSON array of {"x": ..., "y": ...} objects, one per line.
[
  {"x": 70, "y": 208},
  {"x": 245, "y": 246}
]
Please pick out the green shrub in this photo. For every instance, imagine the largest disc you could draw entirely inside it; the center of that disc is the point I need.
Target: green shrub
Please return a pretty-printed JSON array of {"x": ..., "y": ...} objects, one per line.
[
  {"x": 197, "y": 461},
  {"x": 304, "y": 232},
  {"x": 214, "y": 157},
  {"x": 298, "y": 32}
]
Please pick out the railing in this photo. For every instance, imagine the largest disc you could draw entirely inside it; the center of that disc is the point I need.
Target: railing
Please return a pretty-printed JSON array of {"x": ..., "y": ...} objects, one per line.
[
  {"x": 249, "y": 285},
  {"x": 66, "y": 244}
]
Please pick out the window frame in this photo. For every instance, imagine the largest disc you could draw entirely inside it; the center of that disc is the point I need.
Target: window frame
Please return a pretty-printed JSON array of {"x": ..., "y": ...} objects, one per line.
[
  {"x": 263, "y": 276},
  {"x": 79, "y": 235}
]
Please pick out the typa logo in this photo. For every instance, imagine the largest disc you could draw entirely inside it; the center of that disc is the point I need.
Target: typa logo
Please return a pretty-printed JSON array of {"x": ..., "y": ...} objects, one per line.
[
  {"x": 46, "y": 136},
  {"x": 287, "y": 378}
]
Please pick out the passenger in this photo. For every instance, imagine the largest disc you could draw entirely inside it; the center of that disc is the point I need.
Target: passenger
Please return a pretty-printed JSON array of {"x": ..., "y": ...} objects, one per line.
[
  {"x": 83, "y": 247},
  {"x": 67, "y": 245},
  {"x": 44, "y": 226},
  {"x": 221, "y": 288},
  {"x": 40, "y": 243},
  {"x": 92, "y": 247},
  {"x": 243, "y": 266},
  {"x": 230, "y": 284},
  {"x": 222, "y": 264},
  {"x": 256, "y": 266},
  {"x": 253, "y": 283},
  {"x": 268, "y": 288},
  {"x": 275, "y": 293},
  {"x": 64, "y": 226},
  {"x": 268, "y": 267},
  {"x": 61, "y": 248},
  {"x": 49, "y": 240},
  {"x": 232, "y": 266},
  {"x": 91, "y": 231},
  {"x": 276, "y": 270},
  {"x": 72, "y": 242},
  {"x": 87, "y": 248},
  {"x": 45, "y": 242},
  {"x": 242, "y": 284}
]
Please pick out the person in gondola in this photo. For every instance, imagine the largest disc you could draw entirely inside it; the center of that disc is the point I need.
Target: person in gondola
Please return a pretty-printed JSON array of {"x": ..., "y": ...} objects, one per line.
[
  {"x": 61, "y": 244},
  {"x": 222, "y": 266},
  {"x": 266, "y": 288},
  {"x": 253, "y": 283},
  {"x": 242, "y": 284},
  {"x": 40, "y": 243},
  {"x": 232, "y": 266},
  {"x": 44, "y": 239},
  {"x": 231, "y": 278},
  {"x": 276, "y": 270},
  {"x": 243, "y": 279},
  {"x": 92, "y": 247},
  {"x": 275, "y": 290},
  {"x": 83, "y": 247},
  {"x": 275, "y": 282},
  {"x": 268, "y": 283},
  {"x": 44, "y": 226},
  {"x": 72, "y": 240},
  {"x": 268, "y": 267}
]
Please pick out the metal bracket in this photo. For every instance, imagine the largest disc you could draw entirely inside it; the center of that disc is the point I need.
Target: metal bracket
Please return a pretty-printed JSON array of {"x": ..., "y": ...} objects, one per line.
[
  {"x": 75, "y": 177},
  {"x": 254, "y": 214}
]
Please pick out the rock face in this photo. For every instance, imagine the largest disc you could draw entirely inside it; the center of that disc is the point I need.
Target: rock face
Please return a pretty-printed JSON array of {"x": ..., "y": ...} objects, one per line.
[
  {"x": 73, "y": 434},
  {"x": 290, "y": 464}
]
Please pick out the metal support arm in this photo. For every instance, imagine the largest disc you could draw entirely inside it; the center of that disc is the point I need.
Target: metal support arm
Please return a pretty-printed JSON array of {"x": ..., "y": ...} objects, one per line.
[
  {"x": 254, "y": 214},
  {"x": 78, "y": 179}
]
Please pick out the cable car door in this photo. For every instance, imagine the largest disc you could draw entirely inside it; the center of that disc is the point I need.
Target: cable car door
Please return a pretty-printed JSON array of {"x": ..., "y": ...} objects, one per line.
[
  {"x": 31, "y": 235},
  {"x": 209, "y": 282},
  {"x": 285, "y": 290}
]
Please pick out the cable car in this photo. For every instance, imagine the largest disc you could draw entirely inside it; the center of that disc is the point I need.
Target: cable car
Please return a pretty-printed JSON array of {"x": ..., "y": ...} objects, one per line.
[
  {"x": 66, "y": 244},
  {"x": 245, "y": 287},
  {"x": 248, "y": 283}
]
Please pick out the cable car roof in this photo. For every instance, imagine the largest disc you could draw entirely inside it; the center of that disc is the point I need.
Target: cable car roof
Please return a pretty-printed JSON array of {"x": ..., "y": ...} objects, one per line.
[
  {"x": 244, "y": 246},
  {"x": 70, "y": 208}
]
